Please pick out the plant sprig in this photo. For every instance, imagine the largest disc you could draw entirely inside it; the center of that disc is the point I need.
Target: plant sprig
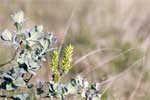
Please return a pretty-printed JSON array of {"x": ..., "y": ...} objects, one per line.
[{"x": 32, "y": 47}]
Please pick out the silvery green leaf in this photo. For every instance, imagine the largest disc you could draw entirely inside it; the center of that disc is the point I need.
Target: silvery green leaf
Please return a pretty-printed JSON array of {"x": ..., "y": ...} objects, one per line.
[
  {"x": 43, "y": 59},
  {"x": 52, "y": 86},
  {"x": 33, "y": 40},
  {"x": 6, "y": 35},
  {"x": 42, "y": 42},
  {"x": 40, "y": 28},
  {"x": 51, "y": 49},
  {"x": 64, "y": 90},
  {"x": 19, "y": 82},
  {"x": 6, "y": 75},
  {"x": 34, "y": 34},
  {"x": 15, "y": 41},
  {"x": 71, "y": 89},
  {"x": 50, "y": 37},
  {"x": 45, "y": 45},
  {"x": 22, "y": 59},
  {"x": 18, "y": 72},
  {"x": 47, "y": 41},
  {"x": 97, "y": 86},
  {"x": 95, "y": 97},
  {"x": 52, "y": 89},
  {"x": 61, "y": 89},
  {"x": 9, "y": 87},
  {"x": 86, "y": 84},
  {"x": 18, "y": 17},
  {"x": 18, "y": 27},
  {"x": 33, "y": 67},
  {"x": 80, "y": 81},
  {"x": 21, "y": 96},
  {"x": 83, "y": 94}
]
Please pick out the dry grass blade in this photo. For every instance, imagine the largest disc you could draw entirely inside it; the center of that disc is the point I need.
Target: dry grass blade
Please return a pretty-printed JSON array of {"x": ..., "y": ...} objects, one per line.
[
  {"x": 111, "y": 80},
  {"x": 122, "y": 73},
  {"x": 66, "y": 29},
  {"x": 93, "y": 69},
  {"x": 142, "y": 73},
  {"x": 93, "y": 52}
]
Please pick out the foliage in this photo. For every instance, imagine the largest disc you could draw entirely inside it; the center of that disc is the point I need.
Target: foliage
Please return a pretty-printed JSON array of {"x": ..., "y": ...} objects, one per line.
[{"x": 31, "y": 47}]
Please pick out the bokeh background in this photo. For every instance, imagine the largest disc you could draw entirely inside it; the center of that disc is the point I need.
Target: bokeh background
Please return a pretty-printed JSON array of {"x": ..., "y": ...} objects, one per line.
[{"x": 111, "y": 39}]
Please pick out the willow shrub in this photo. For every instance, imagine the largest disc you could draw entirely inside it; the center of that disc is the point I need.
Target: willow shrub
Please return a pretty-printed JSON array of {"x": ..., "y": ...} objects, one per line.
[{"x": 32, "y": 46}]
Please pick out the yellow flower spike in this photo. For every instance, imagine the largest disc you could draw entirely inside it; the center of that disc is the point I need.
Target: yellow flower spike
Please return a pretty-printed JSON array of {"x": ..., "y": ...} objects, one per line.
[
  {"x": 67, "y": 59},
  {"x": 65, "y": 65},
  {"x": 57, "y": 77},
  {"x": 55, "y": 61}
]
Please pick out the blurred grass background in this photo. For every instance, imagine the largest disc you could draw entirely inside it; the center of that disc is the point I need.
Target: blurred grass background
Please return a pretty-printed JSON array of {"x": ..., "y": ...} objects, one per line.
[{"x": 120, "y": 26}]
